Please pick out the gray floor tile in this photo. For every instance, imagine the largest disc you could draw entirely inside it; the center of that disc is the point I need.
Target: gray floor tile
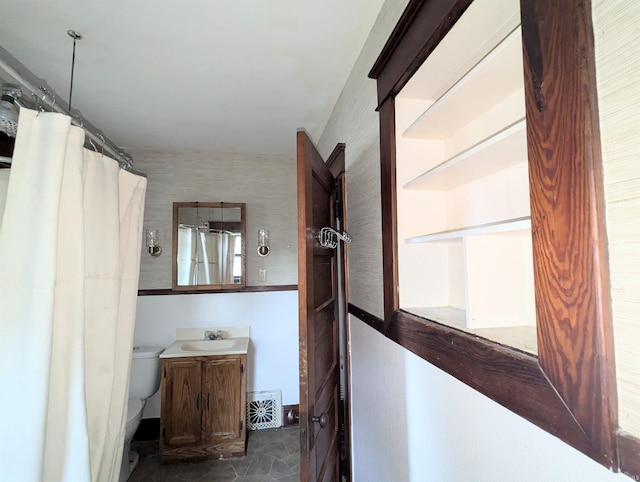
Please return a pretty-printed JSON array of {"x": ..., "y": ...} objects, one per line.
[{"x": 272, "y": 455}]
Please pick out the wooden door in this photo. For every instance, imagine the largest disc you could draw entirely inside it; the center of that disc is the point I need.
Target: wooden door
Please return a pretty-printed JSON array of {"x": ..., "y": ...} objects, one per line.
[
  {"x": 319, "y": 376},
  {"x": 222, "y": 399},
  {"x": 181, "y": 403}
]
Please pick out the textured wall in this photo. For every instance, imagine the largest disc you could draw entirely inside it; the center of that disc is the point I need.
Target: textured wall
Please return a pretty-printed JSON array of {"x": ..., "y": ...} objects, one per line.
[
  {"x": 617, "y": 43},
  {"x": 354, "y": 121},
  {"x": 267, "y": 184}
]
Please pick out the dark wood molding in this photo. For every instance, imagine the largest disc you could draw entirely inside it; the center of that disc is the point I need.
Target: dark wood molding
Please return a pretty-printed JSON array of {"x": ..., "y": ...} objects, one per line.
[
  {"x": 629, "y": 454},
  {"x": 423, "y": 23},
  {"x": 512, "y": 378},
  {"x": 389, "y": 213},
  {"x": 246, "y": 289},
  {"x": 336, "y": 160},
  {"x": 371, "y": 320},
  {"x": 569, "y": 390}
]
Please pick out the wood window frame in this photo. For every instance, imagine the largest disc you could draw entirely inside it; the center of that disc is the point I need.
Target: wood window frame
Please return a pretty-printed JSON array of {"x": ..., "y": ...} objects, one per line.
[{"x": 569, "y": 389}]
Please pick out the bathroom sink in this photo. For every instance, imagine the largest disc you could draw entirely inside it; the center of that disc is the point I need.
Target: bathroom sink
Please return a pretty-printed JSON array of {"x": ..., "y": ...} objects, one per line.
[
  {"x": 207, "y": 345},
  {"x": 185, "y": 347}
]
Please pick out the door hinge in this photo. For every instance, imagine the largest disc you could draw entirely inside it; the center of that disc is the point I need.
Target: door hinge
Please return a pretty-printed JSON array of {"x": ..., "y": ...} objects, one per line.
[
  {"x": 241, "y": 425},
  {"x": 241, "y": 368}
]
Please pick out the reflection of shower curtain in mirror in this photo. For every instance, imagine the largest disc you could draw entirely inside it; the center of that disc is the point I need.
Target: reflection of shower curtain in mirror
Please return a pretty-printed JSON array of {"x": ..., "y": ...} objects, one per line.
[
  {"x": 186, "y": 256},
  {"x": 215, "y": 263}
]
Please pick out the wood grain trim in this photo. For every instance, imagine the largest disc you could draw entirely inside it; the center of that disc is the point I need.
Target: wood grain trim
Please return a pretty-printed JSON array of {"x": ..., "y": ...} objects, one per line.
[
  {"x": 506, "y": 375},
  {"x": 246, "y": 289},
  {"x": 389, "y": 212},
  {"x": 573, "y": 302},
  {"x": 570, "y": 391},
  {"x": 422, "y": 20},
  {"x": 629, "y": 454},
  {"x": 371, "y": 320},
  {"x": 512, "y": 378}
]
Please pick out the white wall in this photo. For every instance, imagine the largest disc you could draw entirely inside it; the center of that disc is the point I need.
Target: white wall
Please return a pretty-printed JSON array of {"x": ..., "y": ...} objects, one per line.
[
  {"x": 411, "y": 421},
  {"x": 414, "y": 422},
  {"x": 272, "y": 316}
]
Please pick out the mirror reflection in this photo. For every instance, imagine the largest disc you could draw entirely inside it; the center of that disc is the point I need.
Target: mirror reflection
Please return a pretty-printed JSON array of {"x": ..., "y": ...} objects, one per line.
[{"x": 208, "y": 243}]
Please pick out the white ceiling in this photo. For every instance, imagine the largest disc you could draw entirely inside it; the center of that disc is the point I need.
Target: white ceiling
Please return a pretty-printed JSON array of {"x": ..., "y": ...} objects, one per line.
[{"x": 220, "y": 75}]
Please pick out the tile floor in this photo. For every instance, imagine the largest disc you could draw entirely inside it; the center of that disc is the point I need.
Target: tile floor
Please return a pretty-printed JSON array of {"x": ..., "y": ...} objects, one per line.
[{"x": 272, "y": 455}]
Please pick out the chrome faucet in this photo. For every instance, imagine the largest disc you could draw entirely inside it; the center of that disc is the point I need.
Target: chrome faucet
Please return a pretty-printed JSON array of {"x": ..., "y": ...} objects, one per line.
[{"x": 210, "y": 335}]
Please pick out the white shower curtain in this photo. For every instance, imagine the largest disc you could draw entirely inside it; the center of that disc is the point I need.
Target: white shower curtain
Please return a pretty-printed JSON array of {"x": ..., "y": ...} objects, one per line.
[
  {"x": 215, "y": 264},
  {"x": 70, "y": 243},
  {"x": 186, "y": 256}
]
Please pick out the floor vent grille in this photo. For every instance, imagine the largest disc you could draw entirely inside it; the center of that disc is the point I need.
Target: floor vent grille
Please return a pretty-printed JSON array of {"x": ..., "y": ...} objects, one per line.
[{"x": 264, "y": 409}]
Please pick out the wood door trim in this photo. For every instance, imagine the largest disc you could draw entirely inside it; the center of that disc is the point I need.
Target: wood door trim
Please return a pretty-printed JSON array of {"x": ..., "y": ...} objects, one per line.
[{"x": 554, "y": 34}]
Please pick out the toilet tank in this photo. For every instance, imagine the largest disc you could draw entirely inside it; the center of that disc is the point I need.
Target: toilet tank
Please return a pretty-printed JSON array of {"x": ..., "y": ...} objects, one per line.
[{"x": 145, "y": 371}]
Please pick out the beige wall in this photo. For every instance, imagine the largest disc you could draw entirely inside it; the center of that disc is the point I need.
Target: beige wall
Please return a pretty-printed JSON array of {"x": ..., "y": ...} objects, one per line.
[
  {"x": 354, "y": 121},
  {"x": 267, "y": 184},
  {"x": 617, "y": 43}
]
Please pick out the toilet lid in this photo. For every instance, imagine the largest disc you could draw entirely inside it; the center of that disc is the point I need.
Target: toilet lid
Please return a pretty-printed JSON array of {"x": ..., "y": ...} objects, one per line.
[{"x": 134, "y": 406}]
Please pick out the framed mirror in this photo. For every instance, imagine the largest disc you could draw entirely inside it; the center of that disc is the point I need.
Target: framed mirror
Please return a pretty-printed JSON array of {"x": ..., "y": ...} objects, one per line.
[{"x": 208, "y": 246}]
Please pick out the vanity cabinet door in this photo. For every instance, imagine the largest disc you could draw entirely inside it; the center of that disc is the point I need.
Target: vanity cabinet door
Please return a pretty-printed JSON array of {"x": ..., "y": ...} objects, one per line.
[
  {"x": 181, "y": 402},
  {"x": 224, "y": 394}
]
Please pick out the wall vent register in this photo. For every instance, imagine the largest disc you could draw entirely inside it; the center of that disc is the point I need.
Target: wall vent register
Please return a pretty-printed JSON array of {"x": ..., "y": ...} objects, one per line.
[{"x": 264, "y": 409}]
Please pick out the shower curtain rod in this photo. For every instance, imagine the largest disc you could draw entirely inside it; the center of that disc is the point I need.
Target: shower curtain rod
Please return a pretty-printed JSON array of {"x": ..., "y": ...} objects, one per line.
[{"x": 44, "y": 96}]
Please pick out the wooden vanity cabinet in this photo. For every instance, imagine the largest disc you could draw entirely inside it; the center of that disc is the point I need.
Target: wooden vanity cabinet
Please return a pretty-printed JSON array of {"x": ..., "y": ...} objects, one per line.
[{"x": 203, "y": 407}]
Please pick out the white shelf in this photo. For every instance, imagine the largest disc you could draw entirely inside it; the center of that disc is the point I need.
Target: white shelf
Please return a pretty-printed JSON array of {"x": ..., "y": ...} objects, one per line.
[
  {"x": 493, "y": 79},
  {"x": 508, "y": 226},
  {"x": 502, "y": 149}
]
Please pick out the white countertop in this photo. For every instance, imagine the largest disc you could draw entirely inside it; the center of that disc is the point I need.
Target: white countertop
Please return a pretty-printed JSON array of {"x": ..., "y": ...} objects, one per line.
[{"x": 191, "y": 342}]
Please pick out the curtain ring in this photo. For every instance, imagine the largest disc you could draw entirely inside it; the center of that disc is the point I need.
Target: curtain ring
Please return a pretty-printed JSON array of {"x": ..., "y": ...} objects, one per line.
[
  {"x": 103, "y": 143},
  {"x": 37, "y": 103}
]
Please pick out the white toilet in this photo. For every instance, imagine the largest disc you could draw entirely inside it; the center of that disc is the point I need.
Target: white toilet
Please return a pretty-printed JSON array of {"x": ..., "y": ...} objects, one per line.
[{"x": 143, "y": 383}]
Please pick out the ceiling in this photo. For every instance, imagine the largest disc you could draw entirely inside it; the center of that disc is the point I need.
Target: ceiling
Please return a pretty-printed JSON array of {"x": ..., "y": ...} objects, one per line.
[{"x": 218, "y": 75}]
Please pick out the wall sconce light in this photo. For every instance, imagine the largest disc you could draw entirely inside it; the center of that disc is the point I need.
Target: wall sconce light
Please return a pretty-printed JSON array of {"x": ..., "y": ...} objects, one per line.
[
  {"x": 153, "y": 242},
  {"x": 263, "y": 242}
]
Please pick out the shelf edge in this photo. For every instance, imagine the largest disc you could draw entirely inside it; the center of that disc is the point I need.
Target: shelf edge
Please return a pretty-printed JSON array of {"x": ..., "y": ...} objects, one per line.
[{"x": 515, "y": 224}]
